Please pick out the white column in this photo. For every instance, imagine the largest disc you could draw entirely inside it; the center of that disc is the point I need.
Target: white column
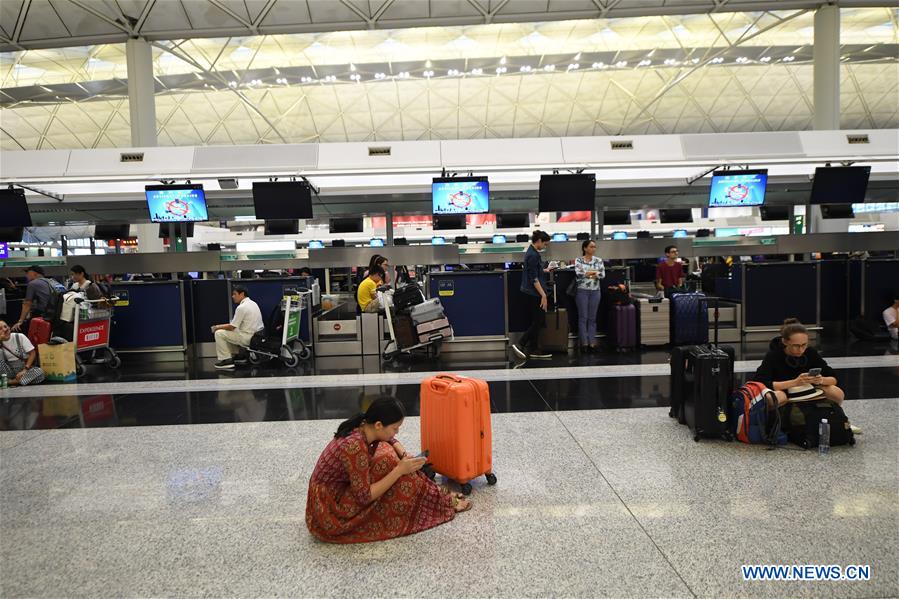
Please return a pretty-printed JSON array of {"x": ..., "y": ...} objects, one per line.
[
  {"x": 827, "y": 68},
  {"x": 141, "y": 89},
  {"x": 148, "y": 240}
]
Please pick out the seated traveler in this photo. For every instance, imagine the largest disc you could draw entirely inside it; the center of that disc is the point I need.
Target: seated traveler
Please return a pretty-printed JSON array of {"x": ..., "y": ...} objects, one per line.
[
  {"x": 669, "y": 272},
  {"x": 366, "y": 488},
  {"x": 367, "y": 293},
  {"x": 787, "y": 365},
  {"x": 231, "y": 337},
  {"x": 17, "y": 357}
]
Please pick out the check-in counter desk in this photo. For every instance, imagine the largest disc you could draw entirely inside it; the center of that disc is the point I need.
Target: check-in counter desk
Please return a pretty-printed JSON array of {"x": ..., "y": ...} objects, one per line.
[
  {"x": 209, "y": 303},
  {"x": 149, "y": 317},
  {"x": 476, "y": 304}
]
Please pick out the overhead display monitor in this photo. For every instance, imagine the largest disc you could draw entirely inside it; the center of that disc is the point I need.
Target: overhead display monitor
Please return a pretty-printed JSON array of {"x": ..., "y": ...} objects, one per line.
[
  {"x": 181, "y": 230},
  {"x": 14, "y": 209},
  {"x": 281, "y": 227},
  {"x": 618, "y": 235},
  {"x": 676, "y": 215},
  {"x": 775, "y": 212},
  {"x": 616, "y": 217},
  {"x": 738, "y": 188},
  {"x": 567, "y": 193},
  {"x": 449, "y": 222},
  {"x": 11, "y": 233},
  {"x": 282, "y": 200},
  {"x": 520, "y": 220},
  {"x": 460, "y": 195},
  {"x": 560, "y": 237},
  {"x": 345, "y": 225},
  {"x": 176, "y": 203},
  {"x": 108, "y": 232},
  {"x": 840, "y": 184}
]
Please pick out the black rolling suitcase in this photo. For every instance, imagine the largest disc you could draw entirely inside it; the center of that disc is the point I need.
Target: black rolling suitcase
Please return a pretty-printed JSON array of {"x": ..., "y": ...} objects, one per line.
[{"x": 702, "y": 381}]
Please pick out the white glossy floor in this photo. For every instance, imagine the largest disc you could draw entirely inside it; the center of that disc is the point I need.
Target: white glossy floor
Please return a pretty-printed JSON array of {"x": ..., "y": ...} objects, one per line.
[{"x": 617, "y": 503}]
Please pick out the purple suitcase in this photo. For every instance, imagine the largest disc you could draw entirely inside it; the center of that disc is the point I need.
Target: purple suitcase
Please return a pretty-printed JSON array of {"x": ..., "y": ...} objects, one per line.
[
  {"x": 444, "y": 333},
  {"x": 440, "y": 323},
  {"x": 624, "y": 327}
]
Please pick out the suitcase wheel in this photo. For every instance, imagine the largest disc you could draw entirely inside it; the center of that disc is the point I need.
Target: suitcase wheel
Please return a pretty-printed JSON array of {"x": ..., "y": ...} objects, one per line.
[
  {"x": 491, "y": 478},
  {"x": 466, "y": 488},
  {"x": 696, "y": 437}
]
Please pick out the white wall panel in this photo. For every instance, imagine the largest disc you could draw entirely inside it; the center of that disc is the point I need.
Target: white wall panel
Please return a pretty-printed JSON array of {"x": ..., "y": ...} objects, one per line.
[
  {"x": 108, "y": 162},
  {"x": 34, "y": 164},
  {"x": 501, "y": 152},
  {"x": 403, "y": 154},
  {"x": 225, "y": 160},
  {"x": 738, "y": 146},
  {"x": 883, "y": 142},
  {"x": 598, "y": 150}
]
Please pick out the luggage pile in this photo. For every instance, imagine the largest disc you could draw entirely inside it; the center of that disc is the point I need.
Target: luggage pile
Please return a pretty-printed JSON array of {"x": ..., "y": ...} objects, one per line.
[{"x": 415, "y": 322}]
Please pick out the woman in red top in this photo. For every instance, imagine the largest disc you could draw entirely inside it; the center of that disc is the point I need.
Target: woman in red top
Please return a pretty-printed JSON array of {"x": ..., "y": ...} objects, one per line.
[{"x": 365, "y": 488}]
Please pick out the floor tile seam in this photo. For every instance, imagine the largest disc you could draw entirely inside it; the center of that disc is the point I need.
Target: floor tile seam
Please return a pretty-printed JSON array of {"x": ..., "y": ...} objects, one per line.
[
  {"x": 596, "y": 467},
  {"x": 29, "y": 439}
]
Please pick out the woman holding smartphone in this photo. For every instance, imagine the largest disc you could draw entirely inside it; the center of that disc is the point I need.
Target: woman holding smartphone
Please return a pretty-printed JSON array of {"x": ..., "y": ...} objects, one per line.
[
  {"x": 589, "y": 270},
  {"x": 365, "y": 488},
  {"x": 796, "y": 371}
]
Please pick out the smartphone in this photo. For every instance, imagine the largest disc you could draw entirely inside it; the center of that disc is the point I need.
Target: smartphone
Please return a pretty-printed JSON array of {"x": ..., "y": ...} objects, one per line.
[
  {"x": 814, "y": 372},
  {"x": 423, "y": 454}
]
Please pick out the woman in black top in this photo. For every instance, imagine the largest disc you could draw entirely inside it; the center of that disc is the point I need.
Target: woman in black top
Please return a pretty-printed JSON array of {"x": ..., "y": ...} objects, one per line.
[{"x": 788, "y": 362}]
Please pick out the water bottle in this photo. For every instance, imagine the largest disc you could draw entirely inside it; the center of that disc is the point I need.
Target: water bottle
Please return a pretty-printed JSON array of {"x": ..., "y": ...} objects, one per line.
[
  {"x": 4, "y": 381},
  {"x": 823, "y": 436}
]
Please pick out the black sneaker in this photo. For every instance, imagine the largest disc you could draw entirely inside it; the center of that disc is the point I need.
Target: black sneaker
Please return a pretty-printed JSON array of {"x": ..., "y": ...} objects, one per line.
[
  {"x": 519, "y": 352},
  {"x": 225, "y": 364},
  {"x": 241, "y": 359}
]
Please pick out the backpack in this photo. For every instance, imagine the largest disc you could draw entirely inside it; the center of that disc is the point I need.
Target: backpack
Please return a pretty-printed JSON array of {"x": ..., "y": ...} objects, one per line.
[
  {"x": 755, "y": 415},
  {"x": 269, "y": 339},
  {"x": 801, "y": 420},
  {"x": 53, "y": 310}
]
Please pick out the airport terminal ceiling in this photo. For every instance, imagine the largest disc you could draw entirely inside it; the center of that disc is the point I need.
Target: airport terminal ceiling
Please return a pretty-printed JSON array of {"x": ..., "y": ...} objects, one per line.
[{"x": 537, "y": 69}]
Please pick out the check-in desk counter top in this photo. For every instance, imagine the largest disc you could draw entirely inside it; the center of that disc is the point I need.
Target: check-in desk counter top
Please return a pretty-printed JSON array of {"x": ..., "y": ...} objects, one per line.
[
  {"x": 149, "y": 317},
  {"x": 475, "y": 303}
]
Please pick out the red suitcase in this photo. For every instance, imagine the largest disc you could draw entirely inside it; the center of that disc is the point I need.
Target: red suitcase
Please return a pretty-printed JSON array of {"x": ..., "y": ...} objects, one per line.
[
  {"x": 39, "y": 331},
  {"x": 455, "y": 428}
]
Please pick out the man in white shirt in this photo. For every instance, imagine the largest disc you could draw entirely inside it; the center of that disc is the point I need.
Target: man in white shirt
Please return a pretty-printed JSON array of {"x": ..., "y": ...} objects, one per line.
[
  {"x": 891, "y": 317},
  {"x": 229, "y": 338}
]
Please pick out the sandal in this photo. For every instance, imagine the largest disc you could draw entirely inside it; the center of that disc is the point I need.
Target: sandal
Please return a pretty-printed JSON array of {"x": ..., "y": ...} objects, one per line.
[{"x": 458, "y": 501}]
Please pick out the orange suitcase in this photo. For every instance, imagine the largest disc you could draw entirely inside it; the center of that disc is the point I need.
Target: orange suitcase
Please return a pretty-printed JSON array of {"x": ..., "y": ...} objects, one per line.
[
  {"x": 39, "y": 331},
  {"x": 455, "y": 428}
]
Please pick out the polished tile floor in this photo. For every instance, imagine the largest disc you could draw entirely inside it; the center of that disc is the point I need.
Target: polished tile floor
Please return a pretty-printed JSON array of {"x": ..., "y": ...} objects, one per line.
[{"x": 610, "y": 503}]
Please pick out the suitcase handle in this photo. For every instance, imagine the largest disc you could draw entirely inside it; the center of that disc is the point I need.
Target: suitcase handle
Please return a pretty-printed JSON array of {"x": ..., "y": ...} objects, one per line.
[{"x": 439, "y": 383}]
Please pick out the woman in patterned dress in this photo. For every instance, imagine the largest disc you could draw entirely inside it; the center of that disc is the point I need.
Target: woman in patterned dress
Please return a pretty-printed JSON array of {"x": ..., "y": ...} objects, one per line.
[{"x": 365, "y": 488}]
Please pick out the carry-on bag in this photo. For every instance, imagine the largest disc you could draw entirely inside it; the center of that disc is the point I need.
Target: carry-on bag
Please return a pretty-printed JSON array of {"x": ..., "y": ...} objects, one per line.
[
  {"x": 689, "y": 319},
  {"x": 553, "y": 337},
  {"x": 623, "y": 327},
  {"x": 436, "y": 330},
  {"x": 655, "y": 321},
  {"x": 407, "y": 296},
  {"x": 39, "y": 331},
  {"x": 800, "y": 420},
  {"x": 404, "y": 330},
  {"x": 455, "y": 428}
]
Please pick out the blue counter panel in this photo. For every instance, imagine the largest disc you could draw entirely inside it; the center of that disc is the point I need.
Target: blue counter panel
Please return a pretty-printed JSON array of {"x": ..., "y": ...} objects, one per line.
[
  {"x": 268, "y": 293},
  {"x": 474, "y": 303},
  {"x": 778, "y": 291},
  {"x": 152, "y": 318},
  {"x": 881, "y": 281},
  {"x": 834, "y": 296},
  {"x": 210, "y": 302}
]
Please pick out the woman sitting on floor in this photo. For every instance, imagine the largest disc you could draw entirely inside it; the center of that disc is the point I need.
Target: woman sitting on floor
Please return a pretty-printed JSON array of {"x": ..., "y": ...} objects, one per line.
[
  {"x": 787, "y": 365},
  {"x": 17, "y": 357},
  {"x": 365, "y": 488}
]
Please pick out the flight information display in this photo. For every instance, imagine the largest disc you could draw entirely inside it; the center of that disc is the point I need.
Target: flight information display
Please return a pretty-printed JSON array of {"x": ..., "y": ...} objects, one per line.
[
  {"x": 738, "y": 188},
  {"x": 460, "y": 195},
  {"x": 176, "y": 203}
]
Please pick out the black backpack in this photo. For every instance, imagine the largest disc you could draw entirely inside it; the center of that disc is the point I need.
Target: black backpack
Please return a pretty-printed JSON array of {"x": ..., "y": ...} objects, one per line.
[
  {"x": 800, "y": 420},
  {"x": 53, "y": 310}
]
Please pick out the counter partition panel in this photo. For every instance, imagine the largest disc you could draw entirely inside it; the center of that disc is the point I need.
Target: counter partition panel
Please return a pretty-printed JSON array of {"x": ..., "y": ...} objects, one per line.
[
  {"x": 149, "y": 317},
  {"x": 475, "y": 302},
  {"x": 774, "y": 291},
  {"x": 880, "y": 281},
  {"x": 211, "y": 301}
]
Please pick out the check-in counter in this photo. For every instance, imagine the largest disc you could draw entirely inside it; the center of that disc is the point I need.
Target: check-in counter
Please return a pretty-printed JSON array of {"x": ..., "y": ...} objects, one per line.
[
  {"x": 475, "y": 303},
  {"x": 149, "y": 317}
]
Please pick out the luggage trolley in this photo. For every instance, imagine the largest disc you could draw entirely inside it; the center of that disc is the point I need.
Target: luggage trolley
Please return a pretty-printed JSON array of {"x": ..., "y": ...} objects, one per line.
[
  {"x": 394, "y": 347},
  {"x": 280, "y": 337},
  {"x": 91, "y": 329}
]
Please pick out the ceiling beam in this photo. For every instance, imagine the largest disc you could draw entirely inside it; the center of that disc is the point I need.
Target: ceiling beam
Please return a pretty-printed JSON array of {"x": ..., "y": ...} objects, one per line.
[
  {"x": 144, "y": 15},
  {"x": 96, "y": 13},
  {"x": 20, "y": 22}
]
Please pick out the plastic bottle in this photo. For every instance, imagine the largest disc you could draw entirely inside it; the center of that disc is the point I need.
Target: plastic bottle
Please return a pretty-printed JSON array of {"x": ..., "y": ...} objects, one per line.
[{"x": 824, "y": 436}]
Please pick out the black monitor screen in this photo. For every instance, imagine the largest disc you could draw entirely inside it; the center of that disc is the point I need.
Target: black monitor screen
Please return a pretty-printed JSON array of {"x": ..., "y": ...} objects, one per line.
[
  {"x": 282, "y": 227},
  {"x": 676, "y": 215},
  {"x": 449, "y": 222},
  {"x": 282, "y": 200},
  {"x": 616, "y": 217},
  {"x": 513, "y": 221},
  {"x": 11, "y": 233},
  {"x": 563, "y": 193},
  {"x": 775, "y": 212},
  {"x": 181, "y": 230},
  {"x": 14, "y": 209},
  {"x": 840, "y": 184},
  {"x": 345, "y": 225},
  {"x": 107, "y": 232}
]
